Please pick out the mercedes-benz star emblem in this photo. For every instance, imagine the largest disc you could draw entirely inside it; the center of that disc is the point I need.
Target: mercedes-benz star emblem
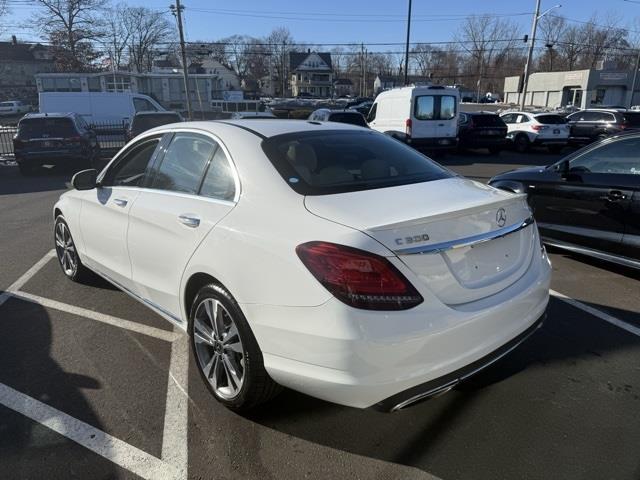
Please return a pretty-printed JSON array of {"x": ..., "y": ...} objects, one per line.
[{"x": 501, "y": 217}]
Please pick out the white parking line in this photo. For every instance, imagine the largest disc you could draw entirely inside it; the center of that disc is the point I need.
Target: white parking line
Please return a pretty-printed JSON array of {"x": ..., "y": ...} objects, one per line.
[
  {"x": 18, "y": 284},
  {"x": 597, "y": 313},
  {"x": 154, "y": 332},
  {"x": 176, "y": 413},
  {"x": 121, "y": 453}
]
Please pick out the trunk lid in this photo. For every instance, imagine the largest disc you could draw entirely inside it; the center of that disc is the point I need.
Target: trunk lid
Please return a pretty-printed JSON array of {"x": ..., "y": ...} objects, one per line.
[{"x": 444, "y": 232}]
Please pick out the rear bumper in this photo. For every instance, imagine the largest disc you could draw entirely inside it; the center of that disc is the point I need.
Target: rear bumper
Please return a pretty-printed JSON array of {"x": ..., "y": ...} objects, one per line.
[
  {"x": 437, "y": 143},
  {"x": 53, "y": 157},
  {"x": 364, "y": 358},
  {"x": 447, "y": 382}
]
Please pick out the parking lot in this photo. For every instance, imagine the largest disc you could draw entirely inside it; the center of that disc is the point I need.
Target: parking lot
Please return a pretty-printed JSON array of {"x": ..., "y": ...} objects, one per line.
[{"x": 94, "y": 385}]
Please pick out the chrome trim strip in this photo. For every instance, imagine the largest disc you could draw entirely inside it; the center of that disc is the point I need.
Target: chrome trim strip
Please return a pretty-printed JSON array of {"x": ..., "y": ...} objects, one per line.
[
  {"x": 607, "y": 257},
  {"x": 467, "y": 241}
]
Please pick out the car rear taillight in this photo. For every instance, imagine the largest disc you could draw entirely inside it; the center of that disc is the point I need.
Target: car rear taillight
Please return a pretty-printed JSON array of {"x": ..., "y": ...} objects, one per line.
[
  {"x": 624, "y": 125},
  {"x": 537, "y": 128},
  {"x": 358, "y": 278},
  {"x": 407, "y": 127}
]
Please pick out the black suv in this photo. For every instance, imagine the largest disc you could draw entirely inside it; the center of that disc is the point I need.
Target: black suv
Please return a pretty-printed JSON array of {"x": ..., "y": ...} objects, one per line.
[
  {"x": 482, "y": 130},
  {"x": 54, "y": 139},
  {"x": 143, "y": 121},
  {"x": 596, "y": 124}
]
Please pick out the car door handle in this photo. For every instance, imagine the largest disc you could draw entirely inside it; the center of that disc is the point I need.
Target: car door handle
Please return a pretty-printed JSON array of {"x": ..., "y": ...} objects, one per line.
[
  {"x": 121, "y": 202},
  {"x": 189, "y": 220}
]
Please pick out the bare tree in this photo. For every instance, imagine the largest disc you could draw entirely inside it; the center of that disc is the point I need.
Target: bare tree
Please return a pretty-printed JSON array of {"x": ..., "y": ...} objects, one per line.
[
  {"x": 339, "y": 61},
  {"x": 603, "y": 36},
  {"x": 488, "y": 42},
  {"x": 425, "y": 57},
  {"x": 148, "y": 29},
  {"x": 71, "y": 26},
  {"x": 4, "y": 10},
  {"x": 552, "y": 28},
  {"x": 115, "y": 36},
  {"x": 280, "y": 44}
]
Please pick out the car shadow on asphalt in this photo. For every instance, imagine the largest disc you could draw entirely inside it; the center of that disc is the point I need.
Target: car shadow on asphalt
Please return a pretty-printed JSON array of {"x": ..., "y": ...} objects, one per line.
[
  {"x": 44, "y": 180},
  {"x": 631, "y": 273},
  {"x": 28, "y": 449},
  {"x": 509, "y": 392}
]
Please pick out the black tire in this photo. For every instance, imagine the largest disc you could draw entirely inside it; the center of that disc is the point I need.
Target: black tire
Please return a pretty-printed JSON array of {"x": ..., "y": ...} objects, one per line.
[
  {"x": 494, "y": 150},
  {"x": 522, "y": 143},
  {"x": 555, "y": 149},
  {"x": 26, "y": 170},
  {"x": 257, "y": 387},
  {"x": 71, "y": 266}
]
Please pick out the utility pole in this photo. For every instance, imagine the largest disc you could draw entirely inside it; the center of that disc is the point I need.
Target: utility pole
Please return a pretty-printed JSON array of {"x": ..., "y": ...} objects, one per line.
[
  {"x": 635, "y": 79},
  {"x": 177, "y": 11},
  {"x": 406, "y": 51},
  {"x": 361, "y": 89},
  {"x": 525, "y": 80},
  {"x": 366, "y": 65},
  {"x": 282, "y": 65}
]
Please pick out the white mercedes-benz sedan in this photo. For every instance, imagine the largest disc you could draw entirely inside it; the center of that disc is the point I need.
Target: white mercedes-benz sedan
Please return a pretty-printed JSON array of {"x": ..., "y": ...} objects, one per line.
[{"x": 323, "y": 257}]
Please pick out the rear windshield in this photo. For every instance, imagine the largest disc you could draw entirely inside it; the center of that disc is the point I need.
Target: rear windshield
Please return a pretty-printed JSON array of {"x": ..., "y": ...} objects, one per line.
[
  {"x": 354, "y": 118},
  {"x": 487, "y": 121},
  {"x": 147, "y": 122},
  {"x": 46, "y": 127},
  {"x": 335, "y": 161},
  {"x": 632, "y": 118},
  {"x": 550, "y": 119}
]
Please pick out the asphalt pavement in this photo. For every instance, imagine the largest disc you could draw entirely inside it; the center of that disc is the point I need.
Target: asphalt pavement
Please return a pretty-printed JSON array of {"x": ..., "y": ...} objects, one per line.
[{"x": 95, "y": 386}]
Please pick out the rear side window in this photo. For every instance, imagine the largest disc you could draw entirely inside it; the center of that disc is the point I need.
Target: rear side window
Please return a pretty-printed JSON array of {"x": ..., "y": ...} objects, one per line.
[
  {"x": 550, "y": 119},
  {"x": 143, "y": 105},
  {"x": 372, "y": 113},
  {"x": 327, "y": 162},
  {"x": 218, "y": 182},
  {"x": 184, "y": 163},
  {"x": 351, "y": 118},
  {"x": 46, "y": 128}
]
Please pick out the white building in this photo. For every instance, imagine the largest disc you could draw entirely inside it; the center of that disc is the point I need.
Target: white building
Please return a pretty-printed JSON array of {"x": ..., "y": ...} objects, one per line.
[
  {"x": 166, "y": 87},
  {"x": 311, "y": 73},
  {"x": 580, "y": 88}
]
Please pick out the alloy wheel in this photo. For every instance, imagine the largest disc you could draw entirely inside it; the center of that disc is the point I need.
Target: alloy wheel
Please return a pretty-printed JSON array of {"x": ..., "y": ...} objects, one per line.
[
  {"x": 66, "y": 250},
  {"x": 219, "y": 348}
]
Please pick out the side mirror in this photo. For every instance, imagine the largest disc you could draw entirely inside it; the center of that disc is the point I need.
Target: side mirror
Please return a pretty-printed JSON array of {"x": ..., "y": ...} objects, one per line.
[
  {"x": 563, "y": 166},
  {"x": 85, "y": 179}
]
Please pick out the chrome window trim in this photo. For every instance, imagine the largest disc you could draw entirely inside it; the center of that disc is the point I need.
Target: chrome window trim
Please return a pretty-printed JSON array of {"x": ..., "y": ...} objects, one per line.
[
  {"x": 162, "y": 132},
  {"x": 466, "y": 241}
]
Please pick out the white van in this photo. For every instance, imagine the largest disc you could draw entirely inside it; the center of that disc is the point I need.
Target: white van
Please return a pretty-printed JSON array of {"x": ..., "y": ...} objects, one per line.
[
  {"x": 99, "y": 107},
  {"x": 424, "y": 116}
]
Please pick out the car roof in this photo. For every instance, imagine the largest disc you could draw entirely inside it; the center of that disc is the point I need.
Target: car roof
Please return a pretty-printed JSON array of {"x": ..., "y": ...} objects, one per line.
[
  {"x": 151, "y": 113},
  {"x": 261, "y": 128},
  {"x": 49, "y": 115}
]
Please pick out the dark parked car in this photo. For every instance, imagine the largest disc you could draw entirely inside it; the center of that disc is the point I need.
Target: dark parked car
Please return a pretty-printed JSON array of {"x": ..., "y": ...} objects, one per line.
[
  {"x": 144, "y": 121},
  {"x": 54, "y": 139},
  {"x": 352, "y": 117},
  {"x": 363, "y": 107},
  {"x": 595, "y": 124},
  {"x": 588, "y": 202},
  {"x": 482, "y": 130}
]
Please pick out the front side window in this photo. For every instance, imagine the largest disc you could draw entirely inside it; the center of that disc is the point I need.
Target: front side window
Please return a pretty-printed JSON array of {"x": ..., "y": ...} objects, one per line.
[
  {"x": 372, "y": 113},
  {"x": 337, "y": 161},
  {"x": 143, "y": 105},
  {"x": 130, "y": 169},
  {"x": 184, "y": 163},
  {"x": 616, "y": 157}
]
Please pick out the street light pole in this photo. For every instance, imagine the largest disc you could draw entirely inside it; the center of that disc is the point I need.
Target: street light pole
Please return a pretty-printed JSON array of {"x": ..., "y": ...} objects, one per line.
[
  {"x": 177, "y": 10},
  {"x": 406, "y": 51},
  {"x": 536, "y": 16},
  {"x": 527, "y": 65}
]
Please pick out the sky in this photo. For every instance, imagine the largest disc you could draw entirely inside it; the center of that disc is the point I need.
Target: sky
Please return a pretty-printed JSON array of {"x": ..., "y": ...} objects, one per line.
[{"x": 347, "y": 21}]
